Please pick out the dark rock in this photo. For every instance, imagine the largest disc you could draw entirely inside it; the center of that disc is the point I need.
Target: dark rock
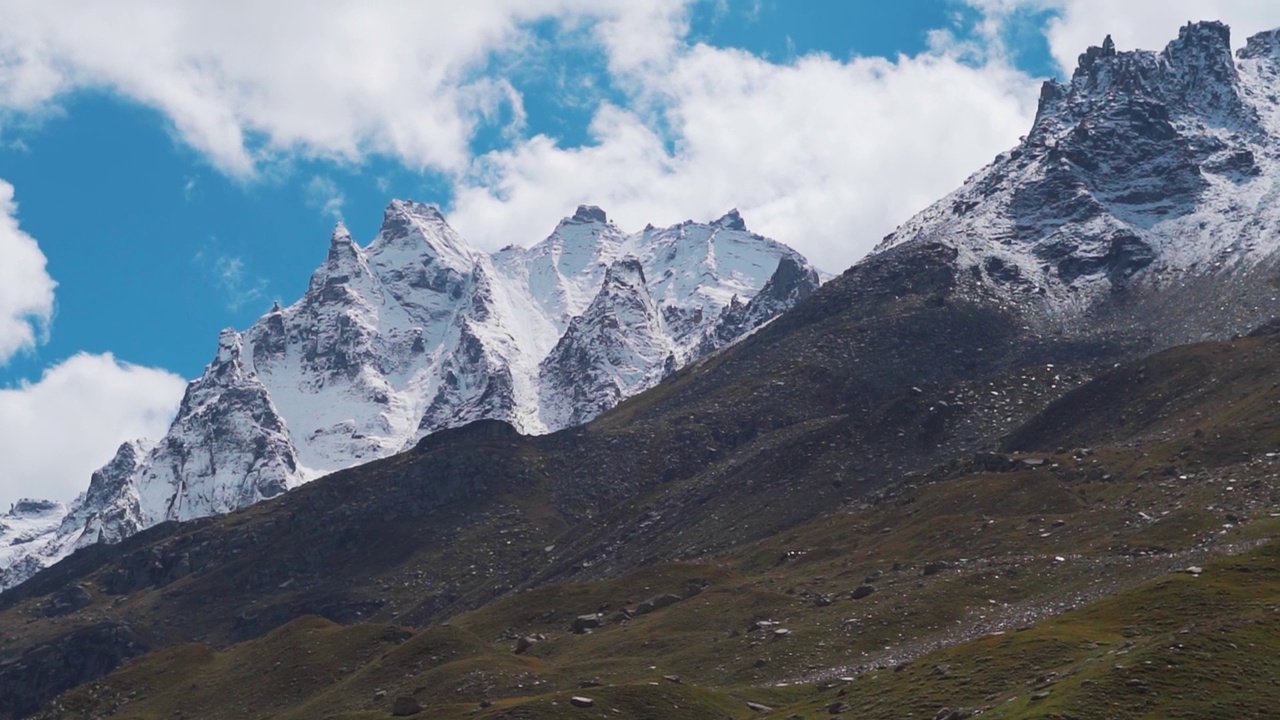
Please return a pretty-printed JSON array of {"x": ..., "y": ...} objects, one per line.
[
  {"x": 934, "y": 568},
  {"x": 583, "y": 623},
  {"x": 46, "y": 670},
  {"x": 861, "y": 592},
  {"x": 405, "y": 705},
  {"x": 523, "y": 643},
  {"x": 657, "y": 603},
  {"x": 68, "y": 600}
]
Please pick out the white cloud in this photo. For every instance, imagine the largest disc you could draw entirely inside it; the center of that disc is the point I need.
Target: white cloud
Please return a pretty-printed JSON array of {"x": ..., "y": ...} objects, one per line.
[
  {"x": 55, "y": 432},
  {"x": 26, "y": 290},
  {"x": 323, "y": 194},
  {"x": 242, "y": 80},
  {"x": 826, "y": 155},
  {"x": 1135, "y": 24}
]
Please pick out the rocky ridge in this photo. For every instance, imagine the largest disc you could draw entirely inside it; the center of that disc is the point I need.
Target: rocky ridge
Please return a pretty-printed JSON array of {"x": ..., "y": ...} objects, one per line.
[
  {"x": 417, "y": 332},
  {"x": 1144, "y": 191}
]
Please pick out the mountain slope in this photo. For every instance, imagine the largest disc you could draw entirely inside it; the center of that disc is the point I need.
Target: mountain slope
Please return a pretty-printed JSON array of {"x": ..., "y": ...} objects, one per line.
[{"x": 955, "y": 560}]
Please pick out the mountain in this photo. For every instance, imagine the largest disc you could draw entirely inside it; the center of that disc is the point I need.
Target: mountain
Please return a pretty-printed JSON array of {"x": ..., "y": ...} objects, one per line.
[
  {"x": 418, "y": 332},
  {"x": 963, "y": 435},
  {"x": 1142, "y": 201}
]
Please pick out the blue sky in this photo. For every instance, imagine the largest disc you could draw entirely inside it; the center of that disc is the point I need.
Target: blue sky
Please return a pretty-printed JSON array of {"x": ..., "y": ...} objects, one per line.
[
  {"x": 154, "y": 249},
  {"x": 182, "y": 181}
]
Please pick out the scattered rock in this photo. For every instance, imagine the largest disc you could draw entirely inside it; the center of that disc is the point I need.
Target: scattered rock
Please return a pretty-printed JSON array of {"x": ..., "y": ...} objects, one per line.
[
  {"x": 759, "y": 707},
  {"x": 1195, "y": 570},
  {"x": 862, "y": 591},
  {"x": 523, "y": 643},
  {"x": 582, "y": 702},
  {"x": 671, "y": 678},
  {"x": 837, "y": 707}
]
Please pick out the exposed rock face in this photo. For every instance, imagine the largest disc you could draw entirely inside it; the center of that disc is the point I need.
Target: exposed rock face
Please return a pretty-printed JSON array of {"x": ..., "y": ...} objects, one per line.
[
  {"x": 1144, "y": 182},
  {"x": 614, "y": 349},
  {"x": 40, "y": 673},
  {"x": 792, "y": 282},
  {"x": 415, "y": 333}
]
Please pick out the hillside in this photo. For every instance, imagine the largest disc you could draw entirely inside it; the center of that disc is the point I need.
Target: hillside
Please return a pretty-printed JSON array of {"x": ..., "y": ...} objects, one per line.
[{"x": 960, "y": 562}]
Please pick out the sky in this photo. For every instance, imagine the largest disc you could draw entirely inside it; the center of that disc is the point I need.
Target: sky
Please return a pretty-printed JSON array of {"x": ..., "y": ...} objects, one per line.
[{"x": 171, "y": 169}]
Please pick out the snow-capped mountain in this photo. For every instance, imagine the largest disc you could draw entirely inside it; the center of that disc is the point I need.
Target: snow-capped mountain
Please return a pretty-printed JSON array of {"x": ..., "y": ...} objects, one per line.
[
  {"x": 417, "y": 332},
  {"x": 1144, "y": 198}
]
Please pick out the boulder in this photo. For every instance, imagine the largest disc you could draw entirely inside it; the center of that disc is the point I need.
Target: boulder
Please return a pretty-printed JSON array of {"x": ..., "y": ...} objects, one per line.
[
  {"x": 405, "y": 705},
  {"x": 583, "y": 623}
]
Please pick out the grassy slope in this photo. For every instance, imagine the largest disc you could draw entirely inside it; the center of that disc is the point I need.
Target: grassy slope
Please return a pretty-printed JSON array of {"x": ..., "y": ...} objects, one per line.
[{"x": 1178, "y": 474}]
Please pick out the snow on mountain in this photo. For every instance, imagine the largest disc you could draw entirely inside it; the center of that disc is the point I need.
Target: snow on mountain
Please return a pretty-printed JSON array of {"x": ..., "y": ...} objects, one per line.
[
  {"x": 1147, "y": 184},
  {"x": 614, "y": 349},
  {"x": 417, "y": 332}
]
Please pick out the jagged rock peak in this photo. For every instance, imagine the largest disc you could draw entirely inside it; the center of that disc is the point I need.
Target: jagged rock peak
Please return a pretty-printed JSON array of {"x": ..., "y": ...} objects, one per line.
[
  {"x": 341, "y": 237},
  {"x": 408, "y": 218},
  {"x": 1263, "y": 44},
  {"x": 625, "y": 272},
  {"x": 127, "y": 457},
  {"x": 791, "y": 275},
  {"x": 399, "y": 209},
  {"x": 1212, "y": 34},
  {"x": 413, "y": 234},
  {"x": 229, "y": 346},
  {"x": 27, "y": 507},
  {"x": 341, "y": 247},
  {"x": 589, "y": 214},
  {"x": 731, "y": 220}
]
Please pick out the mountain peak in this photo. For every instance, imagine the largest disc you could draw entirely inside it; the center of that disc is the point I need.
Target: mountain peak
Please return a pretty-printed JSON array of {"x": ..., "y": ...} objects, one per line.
[
  {"x": 340, "y": 236},
  {"x": 731, "y": 220},
  {"x": 626, "y": 271},
  {"x": 229, "y": 346},
  {"x": 411, "y": 208},
  {"x": 1263, "y": 44},
  {"x": 405, "y": 219},
  {"x": 589, "y": 214}
]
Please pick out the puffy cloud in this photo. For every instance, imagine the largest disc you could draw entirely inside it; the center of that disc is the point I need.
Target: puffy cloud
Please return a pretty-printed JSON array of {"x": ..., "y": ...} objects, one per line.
[
  {"x": 827, "y": 155},
  {"x": 58, "y": 430},
  {"x": 242, "y": 79},
  {"x": 1133, "y": 24},
  {"x": 26, "y": 290}
]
